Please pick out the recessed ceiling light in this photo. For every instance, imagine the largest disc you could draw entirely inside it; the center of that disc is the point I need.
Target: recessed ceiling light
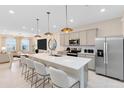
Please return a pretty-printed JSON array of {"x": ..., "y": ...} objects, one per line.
[
  {"x": 39, "y": 30},
  {"x": 54, "y": 26},
  {"x": 11, "y": 12},
  {"x": 5, "y": 30},
  {"x": 102, "y": 10},
  {"x": 32, "y": 29},
  {"x": 23, "y": 27},
  {"x": 71, "y": 20}
]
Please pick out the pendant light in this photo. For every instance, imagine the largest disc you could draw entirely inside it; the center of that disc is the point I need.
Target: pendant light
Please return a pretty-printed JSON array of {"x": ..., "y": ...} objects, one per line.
[
  {"x": 67, "y": 29},
  {"x": 37, "y": 35},
  {"x": 48, "y": 33}
]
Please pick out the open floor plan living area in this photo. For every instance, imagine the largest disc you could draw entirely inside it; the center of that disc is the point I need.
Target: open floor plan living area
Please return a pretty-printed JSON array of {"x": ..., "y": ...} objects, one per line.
[{"x": 62, "y": 46}]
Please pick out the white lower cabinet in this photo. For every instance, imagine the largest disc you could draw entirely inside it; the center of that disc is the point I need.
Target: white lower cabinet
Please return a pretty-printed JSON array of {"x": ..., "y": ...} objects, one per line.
[{"x": 91, "y": 64}]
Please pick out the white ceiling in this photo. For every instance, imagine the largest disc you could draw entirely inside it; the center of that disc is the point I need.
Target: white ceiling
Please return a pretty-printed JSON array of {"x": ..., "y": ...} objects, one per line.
[{"x": 25, "y": 16}]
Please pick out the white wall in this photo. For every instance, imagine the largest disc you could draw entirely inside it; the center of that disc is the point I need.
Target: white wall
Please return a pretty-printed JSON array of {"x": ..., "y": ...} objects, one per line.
[{"x": 111, "y": 27}]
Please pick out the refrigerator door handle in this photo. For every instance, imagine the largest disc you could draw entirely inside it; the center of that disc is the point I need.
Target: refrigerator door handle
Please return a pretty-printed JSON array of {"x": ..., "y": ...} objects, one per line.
[{"x": 104, "y": 52}]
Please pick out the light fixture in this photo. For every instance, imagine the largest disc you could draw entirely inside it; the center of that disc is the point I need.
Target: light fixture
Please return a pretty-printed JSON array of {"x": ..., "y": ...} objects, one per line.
[
  {"x": 32, "y": 29},
  {"x": 102, "y": 10},
  {"x": 11, "y": 12},
  {"x": 48, "y": 33},
  {"x": 54, "y": 26},
  {"x": 37, "y": 35},
  {"x": 23, "y": 27},
  {"x": 67, "y": 29},
  {"x": 71, "y": 20}
]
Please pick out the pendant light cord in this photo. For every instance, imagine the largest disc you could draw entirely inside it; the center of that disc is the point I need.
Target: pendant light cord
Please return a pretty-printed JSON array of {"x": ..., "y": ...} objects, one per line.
[
  {"x": 37, "y": 25},
  {"x": 66, "y": 16},
  {"x": 48, "y": 20}
]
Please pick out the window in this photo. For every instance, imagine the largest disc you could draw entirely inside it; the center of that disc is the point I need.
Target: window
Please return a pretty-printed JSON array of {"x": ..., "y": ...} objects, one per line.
[
  {"x": 25, "y": 45},
  {"x": 10, "y": 44}
]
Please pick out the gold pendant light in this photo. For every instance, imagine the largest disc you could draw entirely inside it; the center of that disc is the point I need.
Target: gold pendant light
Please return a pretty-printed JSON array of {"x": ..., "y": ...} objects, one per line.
[
  {"x": 37, "y": 35},
  {"x": 48, "y": 33},
  {"x": 67, "y": 29}
]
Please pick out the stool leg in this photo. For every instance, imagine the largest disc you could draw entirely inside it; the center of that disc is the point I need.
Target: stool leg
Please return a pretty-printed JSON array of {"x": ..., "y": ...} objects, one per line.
[
  {"x": 79, "y": 84},
  {"x": 43, "y": 81},
  {"x": 25, "y": 72},
  {"x": 32, "y": 77},
  {"x": 27, "y": 75},
  {"x": 52, "y": 85},
  {"x": 23, "y": 68},
  {"x": 36, "y": 81}
]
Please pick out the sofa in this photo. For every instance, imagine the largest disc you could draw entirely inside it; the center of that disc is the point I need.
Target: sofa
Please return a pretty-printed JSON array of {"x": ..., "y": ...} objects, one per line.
[{"x": 4, "y": 58}]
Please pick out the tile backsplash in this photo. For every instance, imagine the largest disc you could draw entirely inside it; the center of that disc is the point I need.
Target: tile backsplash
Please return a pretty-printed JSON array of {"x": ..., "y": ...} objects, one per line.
[{"x": 82, "y": 47}]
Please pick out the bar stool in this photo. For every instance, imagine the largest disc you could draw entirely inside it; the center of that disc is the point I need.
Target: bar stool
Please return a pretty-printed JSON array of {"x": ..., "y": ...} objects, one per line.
[
  {"x": 41, "y": 71},
  {"x": 24, "y": 65},
  {"x": 10, "y": 59},
  {"x": 30, "y": 70},
  {"x": 60, "y": 79}
]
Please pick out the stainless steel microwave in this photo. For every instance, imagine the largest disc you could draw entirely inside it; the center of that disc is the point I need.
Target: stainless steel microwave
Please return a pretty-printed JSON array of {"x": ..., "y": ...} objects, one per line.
[{"x": 74, "y": 42}]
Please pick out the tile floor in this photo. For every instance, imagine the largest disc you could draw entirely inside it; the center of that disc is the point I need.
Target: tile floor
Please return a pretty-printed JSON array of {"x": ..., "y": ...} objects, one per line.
[{"x": 12, "y": 78}]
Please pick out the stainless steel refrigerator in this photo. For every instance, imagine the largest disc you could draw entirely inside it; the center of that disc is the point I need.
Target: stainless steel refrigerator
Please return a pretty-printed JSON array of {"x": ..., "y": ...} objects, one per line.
[{"x": 109, "y": 57}]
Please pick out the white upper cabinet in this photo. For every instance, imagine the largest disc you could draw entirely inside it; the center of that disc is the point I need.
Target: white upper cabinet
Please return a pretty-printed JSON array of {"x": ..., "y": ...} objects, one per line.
[
  {"x": 62, "y": 40},
  {"x": 82, "y": 36},
  {"x": 71, "y": 36},
  {"x": 66, "y": 39},
  {"x": 74, "y": 35},
  {"x": 86, "y": 37},
  {"x": 91, "y": 35}
]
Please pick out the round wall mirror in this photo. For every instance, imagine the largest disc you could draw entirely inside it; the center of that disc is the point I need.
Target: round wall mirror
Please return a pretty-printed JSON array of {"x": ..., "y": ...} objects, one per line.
[{"x": 52, "y": 44}]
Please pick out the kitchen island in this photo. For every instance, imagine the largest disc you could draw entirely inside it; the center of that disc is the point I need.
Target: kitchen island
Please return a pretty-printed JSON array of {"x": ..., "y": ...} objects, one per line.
[{"x": 74, "y": 66}]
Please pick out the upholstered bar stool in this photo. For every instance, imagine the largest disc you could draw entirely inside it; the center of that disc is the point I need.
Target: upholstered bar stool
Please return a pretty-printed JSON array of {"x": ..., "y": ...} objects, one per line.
[
  {"x": 24, "y": 65},
  {"x": 61, "y": 80},
  {"x": 42, "y": 72},
  {"x": 10, "y": 59},
  {"x": 30, "y": 70}
]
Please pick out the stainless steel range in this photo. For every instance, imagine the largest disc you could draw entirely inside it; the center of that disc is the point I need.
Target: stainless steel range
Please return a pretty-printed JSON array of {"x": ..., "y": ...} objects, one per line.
[{"x": 73, "y": 52}]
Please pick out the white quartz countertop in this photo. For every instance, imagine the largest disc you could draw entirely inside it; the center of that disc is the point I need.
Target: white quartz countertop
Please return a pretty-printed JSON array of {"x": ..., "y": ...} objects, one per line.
[{"x": 66, "y": 61}]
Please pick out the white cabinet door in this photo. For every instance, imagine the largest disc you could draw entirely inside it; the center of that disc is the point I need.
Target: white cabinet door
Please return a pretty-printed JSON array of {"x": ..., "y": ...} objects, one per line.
[
  {"x": 62, "y": 40},
  {"x": 91, "y": 35},
  {"x": 82, "y": 36},
  {"x": 66, "y": 38},
  {"x": 76, "y": 35},
  {"x": 71, "y": 36},
  {"x": 91, "y": 64}
]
